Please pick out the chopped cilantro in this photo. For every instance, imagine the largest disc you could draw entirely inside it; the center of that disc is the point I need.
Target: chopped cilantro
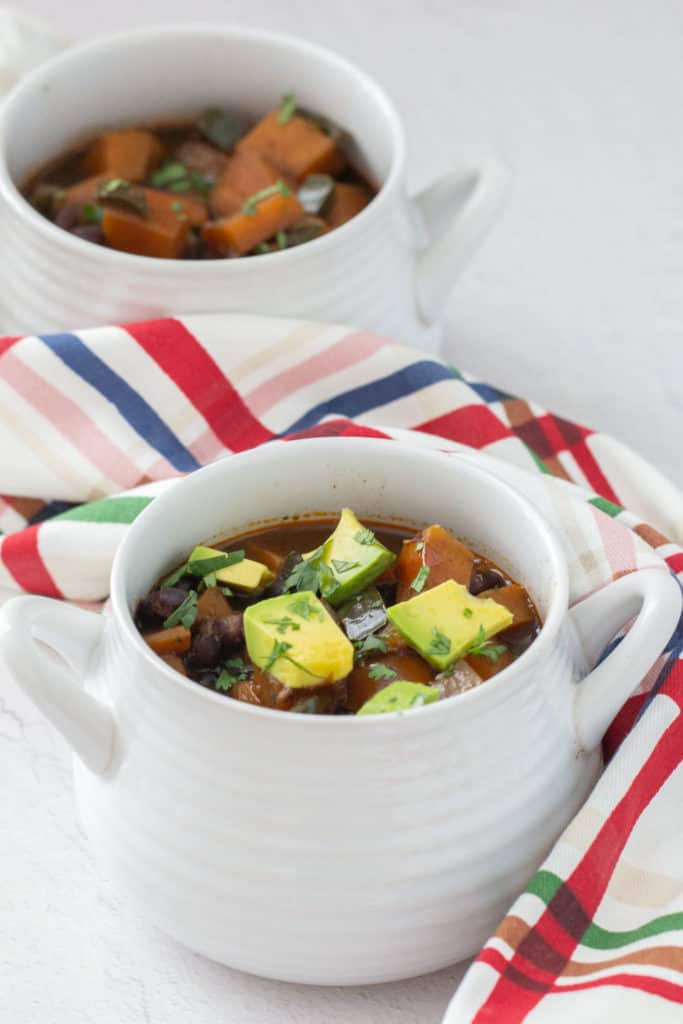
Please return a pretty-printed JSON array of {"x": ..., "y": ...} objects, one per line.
[
  {"x": 487, "y": 649},
  {"x": 250, "y": 204},
  {"x": 185, "y": 614},
  {"x": 233, "y": 671},
  {"x": 342, "y": 567},
  {"x": 286, "y": 111},
  {"x": 304, "y": 609},
  {"x": 364, "y": 536},
  {"x": 279, "y": 648},
  {"x": 382, "y": 672},
  {"x": 370, "y": 645},
  {"x": 418, "y": 583},
  {"x": 283, "y": 624},
  {"x": 202, "y": 566},
  {"x": 304, "y": 576},
  {"x": 92, "y": 214},
  {"x": 173, "y": 577},
  {"x": 440, "y": 643},
  {"x": 468, "y": 613}
]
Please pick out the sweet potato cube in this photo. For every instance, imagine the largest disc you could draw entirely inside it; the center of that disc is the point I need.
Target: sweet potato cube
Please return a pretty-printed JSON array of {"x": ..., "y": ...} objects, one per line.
[
  {"x": 162, "y": 232},
  {"x": 243, "y": 231},
  {"x": 440, "y": 554},
  {"x": 176, "y": 640},
  {"x": 513, "y": 597},
  {"x": 297, "y": 147},
  {"x": 345, "y": 202},
  {"x": 129, "y": 154},
  {"x": 212, "y": 604},
  {"x": 84, "y": 192},
  {"x": 244, "y": 174}
]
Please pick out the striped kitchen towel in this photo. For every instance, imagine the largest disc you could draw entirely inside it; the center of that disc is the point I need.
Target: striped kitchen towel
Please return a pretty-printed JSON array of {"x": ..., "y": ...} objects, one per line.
[{"x": 93, "y": 424}]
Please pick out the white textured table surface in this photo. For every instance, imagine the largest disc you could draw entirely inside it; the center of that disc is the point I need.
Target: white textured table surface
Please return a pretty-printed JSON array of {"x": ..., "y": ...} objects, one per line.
[{"x": 575, "y": 299}]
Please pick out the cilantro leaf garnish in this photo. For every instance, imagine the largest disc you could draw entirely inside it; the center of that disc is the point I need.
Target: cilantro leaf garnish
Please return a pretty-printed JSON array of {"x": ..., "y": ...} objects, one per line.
[
  {"x": 279, "y": 648},
  {"x": 173, "y": 577},
  {"x": 370, "y": 645},
  {"x": 92, "y": 214},
  {"x": 486, "y": 648},
  {"x": 420, "y": 545},
  {"x": 286, "y": 111},
  {"x": 250, "y": 204},
  {"x": 342, "y": 567},
  {"x": 304, "y": 576},
  {"x": 440, "y": 643},
  {"x": 176, "y": 177},
  {"x": 382, "y": 672},
  {"x": 283, "y": 624},
  {"x": 418, "y": 583},
  {"x": 123, "y": 193},
  {"x": 185, "y": 614},
  {"x": 302, "y": 607},
  {"x": 233, "y": 671},
  {"x": 468, "y": 613},
  {"x": 364, "y": 536}
]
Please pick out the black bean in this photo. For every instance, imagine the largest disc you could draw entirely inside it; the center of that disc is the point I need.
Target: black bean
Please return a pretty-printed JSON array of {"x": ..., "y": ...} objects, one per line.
[
  {"x": 485, "y": 579},
  {"x": 89, "y": 233},
  {"x": 212, "y": 638},
  {"x": 69, "y": 216},
  {"x": 161, "y": 603}
]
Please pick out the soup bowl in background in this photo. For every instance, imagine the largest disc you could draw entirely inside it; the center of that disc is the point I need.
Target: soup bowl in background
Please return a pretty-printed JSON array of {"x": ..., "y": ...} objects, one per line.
[
  {"x": 332, "y": 849},
  {"x": 389, "y": 269}
]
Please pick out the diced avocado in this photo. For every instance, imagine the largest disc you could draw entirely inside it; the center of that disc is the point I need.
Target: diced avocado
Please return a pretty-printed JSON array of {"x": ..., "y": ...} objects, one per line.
[
  {"x": 400, "y": 695},
  {"x": 350, "y": 559},
  {"x": 444, "y": 622},
  {"x": 295, "y": 639},
  {"x": 243, "y": 575}
]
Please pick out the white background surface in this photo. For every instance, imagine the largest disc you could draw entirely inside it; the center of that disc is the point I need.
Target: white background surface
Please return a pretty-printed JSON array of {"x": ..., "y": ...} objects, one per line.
[{"x": 575, "y": 300}]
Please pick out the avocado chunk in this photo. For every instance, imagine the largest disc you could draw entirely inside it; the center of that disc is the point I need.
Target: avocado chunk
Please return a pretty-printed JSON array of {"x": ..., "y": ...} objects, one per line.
[
  {"x": 243, "y": 575},
  {"x": 400, "y": 695},
  {"x": 350, "y": 559},
  {"x": 295, "y": 639},
  {"x": 444, "y": 622}
]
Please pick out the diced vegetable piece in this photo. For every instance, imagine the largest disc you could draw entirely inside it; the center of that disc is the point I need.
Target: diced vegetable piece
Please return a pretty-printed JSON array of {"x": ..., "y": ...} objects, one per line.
[
  {"x": 487, "y": 667},
  {"x": 515, "y": 598},
  {"x": 298, "y": 146},
  {"x": 305, "y": 230},
  {"x": 212, "y": 604},
  {"x": 200, "y": 156},
  {"x": 401, "y": 695},
  {"x": 444, "y": 622},
  {"x": 346, "y": 201},
  {"x": 351, "y": 559},
  {"x": 83, "y": 192},
  {"x": 244, "y": 231},
  {"x": 243, "y": 575},
  {"x": 373, "y": 674},
  {"x": 127, "y": 154},
  {"x": 314, "y": 191},
  {"x": 266, "y": 691},
  {"x": 296, "y": 640},
  {"x": 243, "y": 174},
  {"x": 169, "y": 641},
  {"x": 459, "y": 678},
  {"x": 221, "y": 127},
  {"x": 363, "y": 615},
  {"x": 162, "y": 232},
  {"x": 432, "y": 557},
  {"x": 259, "y": 553},
  {"x": 175, "y": 662}
]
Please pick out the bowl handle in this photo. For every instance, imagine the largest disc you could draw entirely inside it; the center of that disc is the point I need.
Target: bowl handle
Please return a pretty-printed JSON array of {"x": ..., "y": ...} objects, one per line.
[
  {"x": 653, "y": 597},
  {"x": 457, "y": 211},
  {"x": 32, "y": 631}
]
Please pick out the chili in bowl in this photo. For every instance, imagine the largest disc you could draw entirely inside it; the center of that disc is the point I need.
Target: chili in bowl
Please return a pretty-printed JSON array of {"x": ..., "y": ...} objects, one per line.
[{"x": 332, "y": 848}]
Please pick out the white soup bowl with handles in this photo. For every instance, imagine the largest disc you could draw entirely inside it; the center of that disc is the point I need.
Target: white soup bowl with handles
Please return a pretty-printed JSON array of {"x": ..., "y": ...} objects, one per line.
[
  {"x": 333, "y": 849},
  {"x": 390, "y": 268}
]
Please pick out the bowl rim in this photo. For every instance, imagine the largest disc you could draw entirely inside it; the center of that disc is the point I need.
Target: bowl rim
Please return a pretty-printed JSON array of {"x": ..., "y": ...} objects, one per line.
[
  {"x": 90, "y": 49},
  {"x": 550, "y": 627}
]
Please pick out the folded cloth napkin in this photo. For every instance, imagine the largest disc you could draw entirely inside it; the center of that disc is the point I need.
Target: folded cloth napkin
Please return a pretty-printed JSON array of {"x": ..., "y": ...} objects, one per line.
[{"x": 93, "y": 424}]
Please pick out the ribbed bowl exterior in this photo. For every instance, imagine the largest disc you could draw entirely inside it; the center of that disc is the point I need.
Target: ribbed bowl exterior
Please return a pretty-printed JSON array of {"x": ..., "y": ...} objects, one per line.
[
  {"x": 53, "y": 282},
  {"x": 334, "y": 854}
]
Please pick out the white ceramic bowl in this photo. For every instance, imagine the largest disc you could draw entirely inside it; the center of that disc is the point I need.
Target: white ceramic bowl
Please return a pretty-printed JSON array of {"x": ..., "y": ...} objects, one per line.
[
  {"x": 380, "y": 271},
  {"x": 333, "y": 849}
]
